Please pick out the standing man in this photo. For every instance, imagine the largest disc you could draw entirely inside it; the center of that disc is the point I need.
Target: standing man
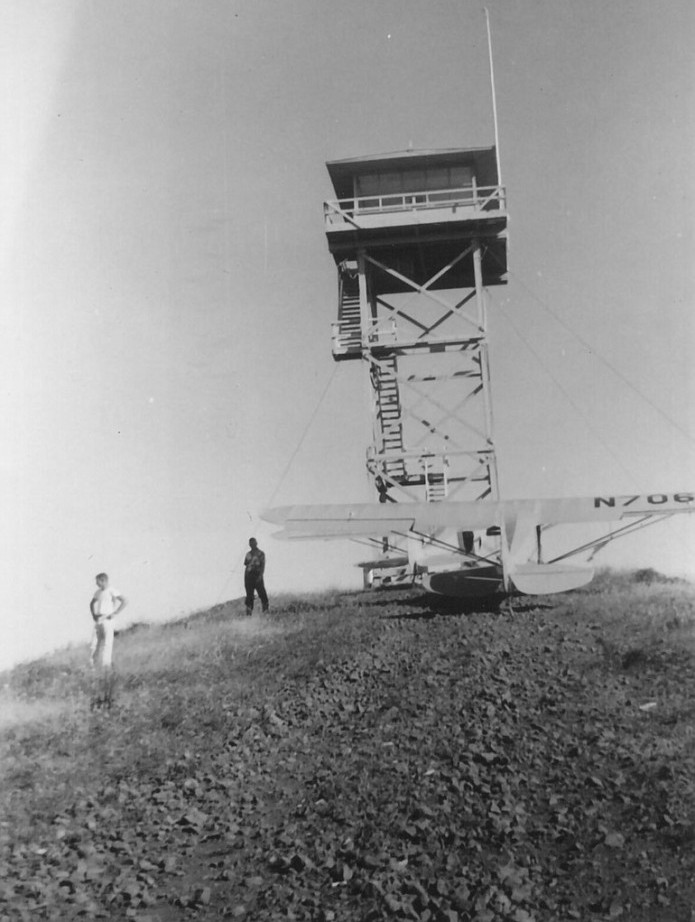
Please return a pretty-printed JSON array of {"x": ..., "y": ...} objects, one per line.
[
  {"x": 254, "y": 569},
  {"x": 106, "y": 603}
]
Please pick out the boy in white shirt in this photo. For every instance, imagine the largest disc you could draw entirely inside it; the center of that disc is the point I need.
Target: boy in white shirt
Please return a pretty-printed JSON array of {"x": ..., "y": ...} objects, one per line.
[{"x": 106, "y": 603}]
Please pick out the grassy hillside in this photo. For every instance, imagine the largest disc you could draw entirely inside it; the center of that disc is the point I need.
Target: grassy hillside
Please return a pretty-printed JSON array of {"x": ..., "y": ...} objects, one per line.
[{"x": 364, "y": 756}]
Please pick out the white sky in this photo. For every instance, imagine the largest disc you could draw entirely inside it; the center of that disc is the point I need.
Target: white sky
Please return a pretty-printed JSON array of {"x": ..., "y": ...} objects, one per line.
[{"x": 167, "y": 291}]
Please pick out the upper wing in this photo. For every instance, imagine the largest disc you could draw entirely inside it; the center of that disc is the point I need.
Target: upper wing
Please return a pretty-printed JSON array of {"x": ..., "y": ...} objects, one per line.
[{"x": 377, "y": 519}]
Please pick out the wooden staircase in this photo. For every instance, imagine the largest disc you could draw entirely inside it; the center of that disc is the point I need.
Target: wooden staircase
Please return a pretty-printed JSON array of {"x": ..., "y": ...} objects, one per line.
[
  {"x": 349, "y": 319},
  {"x": 389, "y": 417}
]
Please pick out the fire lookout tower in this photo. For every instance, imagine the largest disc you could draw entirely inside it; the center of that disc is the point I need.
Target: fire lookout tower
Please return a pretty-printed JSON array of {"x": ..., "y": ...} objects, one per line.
[{"x": 418, "y": 237}]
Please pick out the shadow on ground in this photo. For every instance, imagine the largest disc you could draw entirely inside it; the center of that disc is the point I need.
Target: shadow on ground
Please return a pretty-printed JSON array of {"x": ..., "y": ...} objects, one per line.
[{"x": 429, "y": 605}]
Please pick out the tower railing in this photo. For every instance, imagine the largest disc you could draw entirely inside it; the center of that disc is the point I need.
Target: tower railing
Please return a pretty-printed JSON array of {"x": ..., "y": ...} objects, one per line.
[
  {"x": 348, "y": 336},
  {"x": 477, "y": 200},
  {"x": 348, "y": 339},
  {"x": 380, "y": 332}
]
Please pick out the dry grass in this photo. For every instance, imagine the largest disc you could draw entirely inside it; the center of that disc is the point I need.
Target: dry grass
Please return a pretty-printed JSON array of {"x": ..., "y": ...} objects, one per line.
[
  {"x": 159, "y": 667},
  {"x": 187, "y": 688},
  {"x": 640, "y": 614},
  {"x": 16, "y": 712}
]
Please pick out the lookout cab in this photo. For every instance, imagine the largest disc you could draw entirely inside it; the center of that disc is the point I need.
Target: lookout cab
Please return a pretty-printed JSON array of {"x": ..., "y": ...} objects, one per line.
[{"x": 418, "y": 238}]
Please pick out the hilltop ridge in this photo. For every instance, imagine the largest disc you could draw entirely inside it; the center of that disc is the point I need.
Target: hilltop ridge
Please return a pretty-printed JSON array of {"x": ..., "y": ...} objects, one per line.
[{"x": 364, "y": 756}]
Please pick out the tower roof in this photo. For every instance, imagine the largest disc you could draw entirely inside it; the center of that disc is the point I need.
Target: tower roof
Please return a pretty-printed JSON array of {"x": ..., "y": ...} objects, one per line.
[{"x": 342, "y": 172}]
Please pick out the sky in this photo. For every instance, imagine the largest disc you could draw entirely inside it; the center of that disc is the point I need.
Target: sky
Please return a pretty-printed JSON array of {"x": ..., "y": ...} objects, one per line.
[{"x": 167, "y": 292}]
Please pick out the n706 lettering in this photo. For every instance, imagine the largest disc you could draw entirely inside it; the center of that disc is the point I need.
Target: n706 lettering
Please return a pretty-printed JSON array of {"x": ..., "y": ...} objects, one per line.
[{"x": 653, "y": 499}]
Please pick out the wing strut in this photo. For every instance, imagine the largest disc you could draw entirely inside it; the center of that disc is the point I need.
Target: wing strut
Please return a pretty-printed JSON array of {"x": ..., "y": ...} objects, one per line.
[
  {"x": 446, "y": 545},
  {"x": 598, "y": 543}
]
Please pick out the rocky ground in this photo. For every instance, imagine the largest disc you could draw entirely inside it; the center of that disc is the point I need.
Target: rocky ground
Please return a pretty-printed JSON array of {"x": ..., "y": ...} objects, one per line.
[{"x": 378, "y": 757}]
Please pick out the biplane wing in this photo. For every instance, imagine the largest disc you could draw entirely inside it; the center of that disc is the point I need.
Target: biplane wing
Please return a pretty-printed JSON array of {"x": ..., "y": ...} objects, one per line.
[{"x": 517, "y": 522}]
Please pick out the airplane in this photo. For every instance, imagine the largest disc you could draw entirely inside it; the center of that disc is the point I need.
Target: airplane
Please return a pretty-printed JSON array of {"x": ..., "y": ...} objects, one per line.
[{"x": 482, "y": 548}]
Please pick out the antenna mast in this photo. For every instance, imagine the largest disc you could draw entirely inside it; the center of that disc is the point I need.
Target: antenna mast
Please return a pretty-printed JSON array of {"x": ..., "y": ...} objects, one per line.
[{"x": 494, "y": 96}]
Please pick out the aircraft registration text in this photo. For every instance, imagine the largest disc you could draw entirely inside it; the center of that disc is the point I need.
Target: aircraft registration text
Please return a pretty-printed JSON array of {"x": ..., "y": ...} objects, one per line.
[{"x": 653, "y": 499}]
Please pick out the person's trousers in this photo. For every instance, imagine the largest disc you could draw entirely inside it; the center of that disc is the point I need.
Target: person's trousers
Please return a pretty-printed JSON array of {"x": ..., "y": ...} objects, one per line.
[
  {"x": 102, "y": 643},
  {"x": 254, "y": 583}
]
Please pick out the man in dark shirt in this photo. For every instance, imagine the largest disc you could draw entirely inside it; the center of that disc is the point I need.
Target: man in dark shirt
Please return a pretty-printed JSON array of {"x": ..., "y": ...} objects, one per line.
[{"x": 254, "y": 568}]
